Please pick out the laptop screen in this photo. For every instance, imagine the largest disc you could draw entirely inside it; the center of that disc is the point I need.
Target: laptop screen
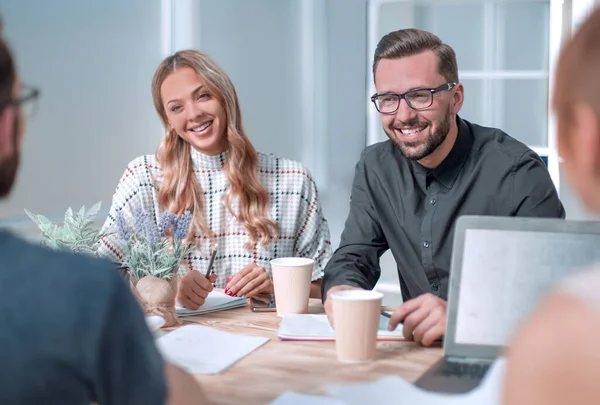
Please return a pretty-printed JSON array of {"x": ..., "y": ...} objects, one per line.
[{"x": 505, "y": 274}]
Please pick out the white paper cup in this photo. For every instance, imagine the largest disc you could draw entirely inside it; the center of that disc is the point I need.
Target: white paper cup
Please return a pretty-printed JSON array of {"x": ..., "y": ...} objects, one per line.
[
  {"x": 356, "y": 321},
  {"x": 291, "y": 281}
]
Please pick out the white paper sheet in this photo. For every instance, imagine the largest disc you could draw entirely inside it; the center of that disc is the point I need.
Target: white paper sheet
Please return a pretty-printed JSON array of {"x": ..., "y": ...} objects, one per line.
[
  {"x": 205, "y": 350},
  {"x": 316, "y": 327},
  {"x": 292, "y": 398},
  {"x": 389, "y": 390},
  {"x": 215, "y": 301}
]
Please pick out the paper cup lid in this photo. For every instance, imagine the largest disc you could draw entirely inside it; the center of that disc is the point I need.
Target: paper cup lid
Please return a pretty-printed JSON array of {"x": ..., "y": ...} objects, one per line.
[{"x": 292, "y": 261}]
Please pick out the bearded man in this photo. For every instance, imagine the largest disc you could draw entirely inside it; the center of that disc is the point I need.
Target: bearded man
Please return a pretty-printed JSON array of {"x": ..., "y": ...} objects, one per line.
[{"x": 409, "y": 190}]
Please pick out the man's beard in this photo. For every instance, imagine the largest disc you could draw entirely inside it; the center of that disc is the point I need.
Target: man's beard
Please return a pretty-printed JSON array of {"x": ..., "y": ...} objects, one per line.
[
  {"x": 421, "y": 149},
  {"x": 9, "y": 165}
]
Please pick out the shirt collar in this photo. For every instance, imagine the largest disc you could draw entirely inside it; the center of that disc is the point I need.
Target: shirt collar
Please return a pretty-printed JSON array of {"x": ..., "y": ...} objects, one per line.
[
  {"x": 447, "y": 172},
  {"x": 208, "y": 162}
]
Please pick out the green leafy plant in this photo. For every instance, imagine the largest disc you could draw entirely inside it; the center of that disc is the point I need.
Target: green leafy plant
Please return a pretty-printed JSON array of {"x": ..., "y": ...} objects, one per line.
[
  {"x": 154, "y": 249},
  {"x": 77, "y": 233}
]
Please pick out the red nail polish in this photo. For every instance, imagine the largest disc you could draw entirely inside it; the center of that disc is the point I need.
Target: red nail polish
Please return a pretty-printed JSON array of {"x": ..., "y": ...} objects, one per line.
[{"x": 227, "y": 280}]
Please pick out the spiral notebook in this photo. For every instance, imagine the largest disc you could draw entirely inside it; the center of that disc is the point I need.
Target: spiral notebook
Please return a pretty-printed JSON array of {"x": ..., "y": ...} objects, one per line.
[
  {"x": 215, "y": 301},
  {"x": 316, "y": 327}
]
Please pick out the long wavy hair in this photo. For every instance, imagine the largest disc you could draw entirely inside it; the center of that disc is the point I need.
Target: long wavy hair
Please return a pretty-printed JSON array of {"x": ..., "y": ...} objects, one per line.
[{"x": 180, "y": 189}]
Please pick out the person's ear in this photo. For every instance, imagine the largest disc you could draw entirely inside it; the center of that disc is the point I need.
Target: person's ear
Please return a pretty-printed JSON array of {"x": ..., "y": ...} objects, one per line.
[
  {"x": 458, "y": 98},
  {"x": 7, "y": 122},
  {"x": 586, "y": 139}
]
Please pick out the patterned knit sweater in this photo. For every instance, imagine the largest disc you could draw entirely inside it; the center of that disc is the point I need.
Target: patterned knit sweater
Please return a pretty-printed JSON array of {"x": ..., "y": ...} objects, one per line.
[{"x": 293, "y": 204}]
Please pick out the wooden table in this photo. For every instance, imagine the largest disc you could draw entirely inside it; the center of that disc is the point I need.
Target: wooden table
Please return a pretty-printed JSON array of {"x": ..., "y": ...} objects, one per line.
[{"x": 305, "y": 367}]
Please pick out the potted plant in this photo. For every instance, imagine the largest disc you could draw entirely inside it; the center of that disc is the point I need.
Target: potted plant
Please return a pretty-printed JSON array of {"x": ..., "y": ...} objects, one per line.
[
  {"x": 153, "y": 254},
  {"x": 77, "y": 233}
]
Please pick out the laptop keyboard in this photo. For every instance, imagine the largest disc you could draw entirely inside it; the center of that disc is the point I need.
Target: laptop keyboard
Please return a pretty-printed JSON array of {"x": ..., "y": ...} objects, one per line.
[{"x": 471, "y": 370}]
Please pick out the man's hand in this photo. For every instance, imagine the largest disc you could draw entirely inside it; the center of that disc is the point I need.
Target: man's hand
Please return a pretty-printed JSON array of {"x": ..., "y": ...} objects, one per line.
[
  {"x": 329, "y": 305},
  {"x": 251, "y": 280},
  {"x": 424, "y": 319},
  {"x": 194, "y": 288}
]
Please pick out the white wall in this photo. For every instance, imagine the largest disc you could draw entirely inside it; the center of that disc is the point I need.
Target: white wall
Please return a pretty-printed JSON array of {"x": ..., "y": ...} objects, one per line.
[
  {"x": 93, "y": 61},
  {"x": 255, "y": 42},
  {"x": 346, "y": 133}
]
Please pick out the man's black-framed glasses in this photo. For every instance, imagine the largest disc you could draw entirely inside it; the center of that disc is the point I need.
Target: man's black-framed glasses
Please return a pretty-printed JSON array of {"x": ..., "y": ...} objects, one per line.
[
  {"x": 27, "y": 100},
  {"x": 418, "y": 99}
]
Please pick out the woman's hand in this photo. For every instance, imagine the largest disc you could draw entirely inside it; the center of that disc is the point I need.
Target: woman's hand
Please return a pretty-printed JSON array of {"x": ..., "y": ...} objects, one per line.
[
  {"x": 251, "y": 280},
  {"x": 194, "y": 288}
]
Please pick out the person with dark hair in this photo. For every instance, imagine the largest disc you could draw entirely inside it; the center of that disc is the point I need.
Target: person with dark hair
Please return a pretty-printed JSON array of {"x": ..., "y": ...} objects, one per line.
[
  {"x": 409, "y": 190},
  {"x": 72, "y": 332},
  {"x": 554, "y": 358}
]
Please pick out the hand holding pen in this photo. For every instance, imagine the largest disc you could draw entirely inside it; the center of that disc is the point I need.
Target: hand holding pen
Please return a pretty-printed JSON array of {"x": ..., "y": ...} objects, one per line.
[
  {"x": 209, "y": 268},
  {"x": 195, "y": 286}
]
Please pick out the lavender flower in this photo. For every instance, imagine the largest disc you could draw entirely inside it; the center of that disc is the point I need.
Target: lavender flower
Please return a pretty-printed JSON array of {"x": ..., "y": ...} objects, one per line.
[
  {"x": 145, "y": 227},
  {"x": 149, "y": 253},
  {"x": 141, "y": 218},
  {"x": 174, "y": 219},
  {"x": 183, "y": 226},
  {"x": 152, "y": 234},
  {"x": 122, "y": 230},
  {"x": 167, "y": 220}
]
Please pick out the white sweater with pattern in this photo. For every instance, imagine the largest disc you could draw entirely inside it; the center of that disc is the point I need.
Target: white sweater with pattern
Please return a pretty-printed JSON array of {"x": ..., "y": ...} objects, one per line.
[{"x": 293, "y": 204}]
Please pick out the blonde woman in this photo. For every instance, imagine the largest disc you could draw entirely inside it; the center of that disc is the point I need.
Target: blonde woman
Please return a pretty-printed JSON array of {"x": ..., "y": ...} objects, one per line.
[{"x": 255, "y": 206}]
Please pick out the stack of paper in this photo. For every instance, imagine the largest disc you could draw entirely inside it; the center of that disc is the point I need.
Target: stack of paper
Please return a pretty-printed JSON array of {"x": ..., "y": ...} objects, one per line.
[
  {"x": 292, "y": 398},
  {"x": 317, "y": 327},
  {"x": 387, "y": 391},
  {"x": 216, "y": 301},
  {"x": 394, "y": 390},
  {"x": 205, "y": 350}
]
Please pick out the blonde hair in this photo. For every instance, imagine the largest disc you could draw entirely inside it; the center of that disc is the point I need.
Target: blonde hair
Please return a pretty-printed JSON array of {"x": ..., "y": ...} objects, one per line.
[{"x": 180, "y": 189}]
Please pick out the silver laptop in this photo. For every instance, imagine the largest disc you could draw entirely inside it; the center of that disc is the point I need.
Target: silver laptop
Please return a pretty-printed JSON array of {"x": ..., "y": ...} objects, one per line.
[{"x": 501, "y": 268}]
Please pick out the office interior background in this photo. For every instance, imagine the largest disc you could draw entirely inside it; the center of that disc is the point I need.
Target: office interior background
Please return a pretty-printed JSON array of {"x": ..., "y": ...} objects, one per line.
[{"x": 302, "y": 70}]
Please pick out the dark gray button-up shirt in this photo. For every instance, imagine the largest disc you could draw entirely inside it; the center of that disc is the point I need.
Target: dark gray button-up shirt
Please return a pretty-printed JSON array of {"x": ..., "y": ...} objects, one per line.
[{"x": 400, "y": 205}]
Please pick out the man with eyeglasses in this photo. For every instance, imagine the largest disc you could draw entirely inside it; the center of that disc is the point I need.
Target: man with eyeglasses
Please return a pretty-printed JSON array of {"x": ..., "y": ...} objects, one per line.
[
  {"x": 409, "y": 191},
  {"x": 71, "y": 331}
]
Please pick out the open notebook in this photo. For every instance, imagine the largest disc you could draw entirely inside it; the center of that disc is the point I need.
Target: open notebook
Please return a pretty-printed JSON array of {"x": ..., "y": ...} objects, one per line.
[
  {"x": 216, "y": 301},
  {"x": 316, "y": 327}
]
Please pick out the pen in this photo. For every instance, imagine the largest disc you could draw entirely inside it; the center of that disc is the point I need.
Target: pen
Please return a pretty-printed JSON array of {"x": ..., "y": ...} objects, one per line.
[
  {"x": 384, "y": 313},
  {"x": 211, "y": 261}
]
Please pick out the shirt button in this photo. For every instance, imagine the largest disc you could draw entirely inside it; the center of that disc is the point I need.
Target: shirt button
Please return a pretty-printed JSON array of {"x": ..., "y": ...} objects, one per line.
[
  {"x": 432, "y": 201},
  {"x": 426, "y": 244},
  {"x": 435, "y": 286}
]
